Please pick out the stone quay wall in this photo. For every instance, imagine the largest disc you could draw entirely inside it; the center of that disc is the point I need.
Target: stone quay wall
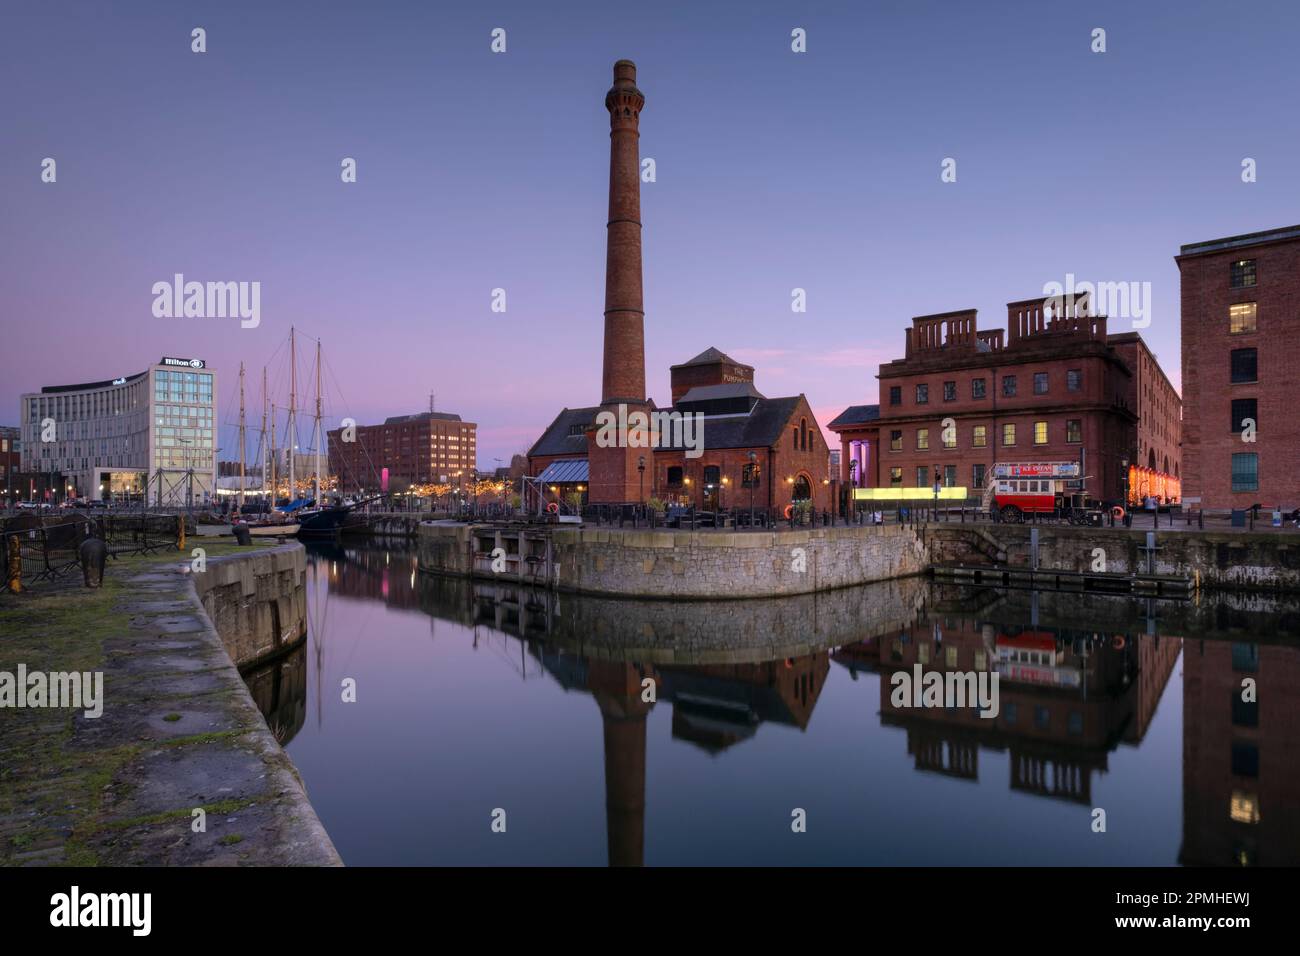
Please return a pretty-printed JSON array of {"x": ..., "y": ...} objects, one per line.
[
  {"x": 695, "y": 565},
  {"x": 257, "y": 602},
  {"x": 1231, "y": 561}
]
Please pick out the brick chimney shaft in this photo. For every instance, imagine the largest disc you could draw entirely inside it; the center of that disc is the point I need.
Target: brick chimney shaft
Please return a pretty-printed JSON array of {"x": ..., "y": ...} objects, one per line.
[{"x": 623, "y": 377}]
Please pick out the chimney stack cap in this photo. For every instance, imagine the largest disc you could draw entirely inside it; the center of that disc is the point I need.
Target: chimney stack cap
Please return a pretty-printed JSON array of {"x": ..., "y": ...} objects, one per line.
[{"x": 624, "y": 73}]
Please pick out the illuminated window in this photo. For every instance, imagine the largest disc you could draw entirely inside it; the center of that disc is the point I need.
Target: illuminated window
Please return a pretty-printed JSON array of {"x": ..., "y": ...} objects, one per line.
[
  {"x": 923, "y": 438},
  {"x": 1244, "y": 807},
  {"x": 1008, "y": 435},
  {"x": 1040, "y": 433},
  {"x": 1241, "y": 318},
  {"x": 896, "y": 477},
  {"x": 949, "y": 437},
  {"x": 896, "y": 439},
  {"x": 979, "y": 436}
]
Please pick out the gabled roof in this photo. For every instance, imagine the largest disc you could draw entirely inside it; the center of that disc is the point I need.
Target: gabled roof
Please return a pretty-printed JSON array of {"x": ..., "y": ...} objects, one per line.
[
  {"x": 709, "y": 393},
  {"x": 856, "y": 415},
  {"x": 762, "y": 427},
  {"x": 710, "y": 356},
  {"x": 558, "y": 439}
]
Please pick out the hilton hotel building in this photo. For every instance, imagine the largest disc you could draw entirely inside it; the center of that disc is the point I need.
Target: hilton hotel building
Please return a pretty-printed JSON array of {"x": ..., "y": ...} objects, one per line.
[{"x": 152, "y": 432}]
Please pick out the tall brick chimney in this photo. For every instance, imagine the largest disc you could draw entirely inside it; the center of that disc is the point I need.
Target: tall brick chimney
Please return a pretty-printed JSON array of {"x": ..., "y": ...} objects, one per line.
[
  {"x": 617, "y": 474},
  {"x": 624, "y": 371}
]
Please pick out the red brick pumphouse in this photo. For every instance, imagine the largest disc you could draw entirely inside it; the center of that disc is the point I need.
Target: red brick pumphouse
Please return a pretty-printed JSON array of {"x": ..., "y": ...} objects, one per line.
[
  {"x": 1053, "y": 387},
  {"x": 1241, "y": 347},
  {"x": 739, "y": 447},
  {"x": 789, "y": 458}
]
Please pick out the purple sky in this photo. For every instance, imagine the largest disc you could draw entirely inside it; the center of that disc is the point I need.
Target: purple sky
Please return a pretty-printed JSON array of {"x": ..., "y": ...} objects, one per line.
[{"x": 478, "y": 170}]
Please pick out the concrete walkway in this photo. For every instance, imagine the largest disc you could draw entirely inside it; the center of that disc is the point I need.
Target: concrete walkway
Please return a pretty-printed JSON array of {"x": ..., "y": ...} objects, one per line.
[{"x": 179, "y": 732}]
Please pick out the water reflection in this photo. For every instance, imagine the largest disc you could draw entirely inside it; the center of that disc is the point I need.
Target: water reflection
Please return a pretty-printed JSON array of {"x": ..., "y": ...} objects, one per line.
[{"x": 469, "y": 699}]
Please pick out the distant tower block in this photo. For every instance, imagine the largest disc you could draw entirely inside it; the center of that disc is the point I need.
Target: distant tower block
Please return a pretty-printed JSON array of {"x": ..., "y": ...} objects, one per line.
[{"x": 624, "y": 369}]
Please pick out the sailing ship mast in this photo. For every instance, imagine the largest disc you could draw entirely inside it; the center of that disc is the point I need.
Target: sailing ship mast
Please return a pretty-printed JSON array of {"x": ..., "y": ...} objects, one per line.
[
  {"x": 241, "y": 438},
  {"x": 261, "y": 444},
  {"x": 275, "y": 476},
  {"x": 317, "y": 437},
  {"x": 293, "y": 417}
]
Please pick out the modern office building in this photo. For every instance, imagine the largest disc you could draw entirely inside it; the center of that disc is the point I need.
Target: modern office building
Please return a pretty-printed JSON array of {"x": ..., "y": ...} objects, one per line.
[
  {"x": 426, "y": 448},
  {"x": 151, "y": 433},
  {"x": 1241, "y": 347}
]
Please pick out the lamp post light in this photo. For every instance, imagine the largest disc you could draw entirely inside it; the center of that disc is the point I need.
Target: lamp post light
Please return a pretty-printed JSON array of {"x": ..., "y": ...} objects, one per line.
[
  {"x": 640, "y": 473},
  {"x": 722, "y": 494},
  {"x": 753, "y": 480}
]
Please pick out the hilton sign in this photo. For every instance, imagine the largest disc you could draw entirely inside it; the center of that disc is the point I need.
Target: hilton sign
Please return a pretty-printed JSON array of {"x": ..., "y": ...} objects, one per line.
[{"x": 183, "y": 363}]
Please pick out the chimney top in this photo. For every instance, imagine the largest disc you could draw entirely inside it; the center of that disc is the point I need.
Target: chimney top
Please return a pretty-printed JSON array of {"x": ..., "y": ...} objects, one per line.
[{"x": 624, "y": 74}]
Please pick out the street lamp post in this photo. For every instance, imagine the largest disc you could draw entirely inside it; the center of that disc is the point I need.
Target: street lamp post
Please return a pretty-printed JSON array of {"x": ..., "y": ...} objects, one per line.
[
  {"x": 640, "y": 473},
  {"x": 753, "y": 472}
]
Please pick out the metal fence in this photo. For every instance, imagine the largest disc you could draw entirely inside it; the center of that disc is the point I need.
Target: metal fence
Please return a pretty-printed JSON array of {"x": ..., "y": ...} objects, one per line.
[{"x": 40, "y": 548}]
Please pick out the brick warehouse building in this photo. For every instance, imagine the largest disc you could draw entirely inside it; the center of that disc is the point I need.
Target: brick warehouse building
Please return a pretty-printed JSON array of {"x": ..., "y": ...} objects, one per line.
[
  {"x": 1051, "y": 388},
  {"x": 789, "y": 458},
  {"x": 1241, "y": 347},
  {"x": 426, "y": 448}
]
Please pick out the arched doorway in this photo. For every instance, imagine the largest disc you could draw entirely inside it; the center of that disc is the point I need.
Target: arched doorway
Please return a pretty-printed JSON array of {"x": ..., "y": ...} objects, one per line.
[{"x": 801, "y": 490}]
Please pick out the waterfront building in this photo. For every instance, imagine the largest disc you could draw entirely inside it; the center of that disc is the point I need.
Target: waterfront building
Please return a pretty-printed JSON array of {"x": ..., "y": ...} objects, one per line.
[
  {"x": 750, "y": 445},
  {"x": 768, "y": 450},
  {"x": 1052, "y": 386},
  {"x": 425, "y": 448},
  {"x": 11, "y": 445},
  {"x": 150, "y": 433},
  {"x": 1241, "y": 343}
]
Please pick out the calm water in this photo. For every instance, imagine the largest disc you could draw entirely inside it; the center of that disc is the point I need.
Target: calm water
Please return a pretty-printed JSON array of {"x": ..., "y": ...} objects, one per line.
[{"x": 471, "y": 698}]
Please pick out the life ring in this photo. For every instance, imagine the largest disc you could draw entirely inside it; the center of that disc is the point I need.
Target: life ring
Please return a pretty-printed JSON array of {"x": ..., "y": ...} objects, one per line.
[
  {"x": 789, "y": 510},
  {"x": 789, "y": 663},
  {"x": 1118, "y": 513},
  {"x": 552, "y": 508},
  {"x": 1117, "y": 642}
]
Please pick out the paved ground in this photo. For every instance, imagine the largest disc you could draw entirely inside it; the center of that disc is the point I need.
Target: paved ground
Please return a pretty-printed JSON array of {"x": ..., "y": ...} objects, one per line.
[{"x": 179, "y": 732}]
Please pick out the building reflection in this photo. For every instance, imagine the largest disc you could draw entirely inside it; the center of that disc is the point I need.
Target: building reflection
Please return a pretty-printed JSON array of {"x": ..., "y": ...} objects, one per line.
[
  {"x": 1067, "y": 697},
  {"x": 1241, "y": 759}
]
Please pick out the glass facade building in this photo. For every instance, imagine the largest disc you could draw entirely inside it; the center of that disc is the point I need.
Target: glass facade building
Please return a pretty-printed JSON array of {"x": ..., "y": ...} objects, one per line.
[{"x": 152, "y": 433}]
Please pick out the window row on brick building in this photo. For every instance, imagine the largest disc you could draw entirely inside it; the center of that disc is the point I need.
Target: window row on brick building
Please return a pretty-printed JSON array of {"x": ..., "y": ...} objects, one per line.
[
  {"x": 977, "y": 388},
  {"x": 977, "y": 436}
]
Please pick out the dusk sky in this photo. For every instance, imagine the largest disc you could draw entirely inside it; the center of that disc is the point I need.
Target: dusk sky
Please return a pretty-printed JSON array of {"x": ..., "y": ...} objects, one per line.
[{"x": 476, "y": 170}]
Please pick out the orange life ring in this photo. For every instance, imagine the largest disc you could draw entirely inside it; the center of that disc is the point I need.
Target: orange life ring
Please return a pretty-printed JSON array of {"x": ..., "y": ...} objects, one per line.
[
  {"x": 789, "y": 510},
  {"x": 1117, "y": 642},
  {"x": 552, "y": 508},
  {"x": 1118, "y": 512}
]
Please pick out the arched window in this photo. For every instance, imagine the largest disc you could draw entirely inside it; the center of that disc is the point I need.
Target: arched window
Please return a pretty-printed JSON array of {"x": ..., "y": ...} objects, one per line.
[
  {"x": 795, "y": 446},
  {"x": 1151, "y": 459},
  {"x": 803, "y": 431},
  {"x": 801, "y": 490}
]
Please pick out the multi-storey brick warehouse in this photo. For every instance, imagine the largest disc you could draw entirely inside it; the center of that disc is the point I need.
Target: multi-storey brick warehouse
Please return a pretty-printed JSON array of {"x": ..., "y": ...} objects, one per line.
[
  {"x": 962, "y": 400},
  {"x": 428, "y": 448},
  {"x": 1241, "y": 347}
]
